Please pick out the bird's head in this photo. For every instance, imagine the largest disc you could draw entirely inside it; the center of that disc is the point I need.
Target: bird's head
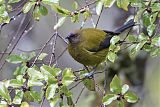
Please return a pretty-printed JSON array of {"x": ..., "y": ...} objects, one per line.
[{"x": 74, "y": 37}]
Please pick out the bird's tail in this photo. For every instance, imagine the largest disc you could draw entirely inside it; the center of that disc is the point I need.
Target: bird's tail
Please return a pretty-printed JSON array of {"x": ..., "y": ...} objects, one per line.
[{"x": 122, "y": 28}]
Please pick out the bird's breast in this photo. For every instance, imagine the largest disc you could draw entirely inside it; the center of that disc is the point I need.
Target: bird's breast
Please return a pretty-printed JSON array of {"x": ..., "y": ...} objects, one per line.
[{"x": 85, "y": 57}]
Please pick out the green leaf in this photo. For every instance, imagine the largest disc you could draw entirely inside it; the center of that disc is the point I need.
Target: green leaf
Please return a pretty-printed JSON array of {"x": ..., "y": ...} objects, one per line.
[
  {"x": 75, "y": 18},
  {"x": 155, "y": 7},
  {"x": 70, "y": 102},
  {"x": 24, "y": 104},
  {"x": 109, "y": 98},
  {"x": 31, "y": 55},
  {"x": 131, "y": 97},
  {"x": 50, "y": 92},
  {"x": 18, "y": 82},
  {"x": 54, "y": 101},
  {"x": 123, "y": 4},
  {"x": 34, "y": 82},
  {"x": 146, "y": 19},
  {"x": 36, "y": 13},
  {"x": 28, "y": 97},
  {"x": 90, "y": 84},
  {"x": 132, "y": 38},
  {"x": 57, "y": 71},
  {"x": 20, "y": 70},
  {"x": 116, "y": 85},
  {"x": 35, "y": 74},
  {"x": 27, "y": 7},
  {"x": 49, "y": 2},
  {"x": 15, "y": 59},
  {"x": 3, "y": 105},
  {"x": 121, "y": 104},
  {"x": 139, "y": 14},
  {"x": 24, "y": 56},
  {"x": 67, "y": 76},
  {"x": 43, "y": 10},
  {"x": 60, "y": 10},
  {"x": 109, "y": 3},
  {"x": 64, "y": 90},
  {"x": 155, "y": 52},
  {"x": 99, "y": 7},
  {"x": 60, "y": 22},
  {"x": 151, "y": 29},
  {"x": 114, "y": 40},
  {"x": 18, "y": 97},
  {"x": 137, "y": 3},
  {"x": 135, "y": 50},
  {"x": 86, "y": 15},
  {"x": 2, "y": 1},
  {"x": 4, "y": 92},
  {"x": 75, "y": 5},
  {"x": 37, "y": 96},
  {"x": 49, "y": 70},
  {"x": 13, "y": 1},
  {"x": 125, "y": 88},
  {"x": 42, "y": 56},
  {"x": 49, "y": 74},
  {"x": 156, "y": 41},
  {"x": 112, "y": 56},
  {"x": 140, "y": 45}
]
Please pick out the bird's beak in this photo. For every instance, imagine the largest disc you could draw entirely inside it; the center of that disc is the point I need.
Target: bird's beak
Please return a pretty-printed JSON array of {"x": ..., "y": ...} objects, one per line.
[{"x": 71, "y": 35}]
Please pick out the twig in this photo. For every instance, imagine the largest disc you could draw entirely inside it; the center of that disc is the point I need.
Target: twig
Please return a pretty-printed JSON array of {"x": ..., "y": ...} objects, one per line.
[
  {"x": 30, "y": 50},
  {"x": 92, "y": 21},
  {"x": 11, "y": 19},
  {"x": 64, "y": 40},
  {"x": 60, "y": 55},
  {"x": 80, "y": 94},
  {"x": 75, "y": 85},
  {"x": 99, "y": 17},
  {"x": 54, "y": 43},
  {"x": 42, "y": 49},
  {"x": 23, "y": 33},
  {"x": 13, "y": 37}
]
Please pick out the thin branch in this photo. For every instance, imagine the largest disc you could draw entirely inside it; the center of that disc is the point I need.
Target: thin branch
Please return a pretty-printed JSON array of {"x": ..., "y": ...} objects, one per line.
[
  {"x": 14, "y": 37},
  {"x": 99, "y": 17},
  {"x": 75, "y": 85},
  {"x": 11, "y": 19},
  {"x": 54, "y": 43},
  {"x": 28, "y": 51},
  {"x": 41, "y": 50},
  {"x": 19, "y": 6},
  {"x": 60, "y": 55},
  {"x": 91, "y": 18},
  {"x": 80, "y": 95},
  {"x": 23, "y": 33}
]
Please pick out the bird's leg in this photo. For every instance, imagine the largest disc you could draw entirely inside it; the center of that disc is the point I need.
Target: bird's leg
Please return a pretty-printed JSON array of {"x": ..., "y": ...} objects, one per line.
[{"x": 91, "y": 74}]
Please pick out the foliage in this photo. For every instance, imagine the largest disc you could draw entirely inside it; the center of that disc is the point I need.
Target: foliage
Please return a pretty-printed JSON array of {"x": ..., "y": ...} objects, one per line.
[
  {"x": 53, "y": 82},
  {"x": 120, "y": 93}
]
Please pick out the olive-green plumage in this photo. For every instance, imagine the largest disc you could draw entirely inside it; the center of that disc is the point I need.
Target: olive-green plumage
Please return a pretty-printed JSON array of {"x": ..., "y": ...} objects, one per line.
[
  {"x": 81, "y": 51},
  {"x": 89, "y": 46}
]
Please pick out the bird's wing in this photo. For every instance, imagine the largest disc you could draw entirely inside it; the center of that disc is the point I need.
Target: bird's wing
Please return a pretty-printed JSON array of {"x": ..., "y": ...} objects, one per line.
[
  {"x": 103, "y": 45},
  {"x": 95, "y": 40}
]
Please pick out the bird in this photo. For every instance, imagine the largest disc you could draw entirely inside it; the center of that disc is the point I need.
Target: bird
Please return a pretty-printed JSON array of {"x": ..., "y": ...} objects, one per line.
[{"x": 89, "y": 46}]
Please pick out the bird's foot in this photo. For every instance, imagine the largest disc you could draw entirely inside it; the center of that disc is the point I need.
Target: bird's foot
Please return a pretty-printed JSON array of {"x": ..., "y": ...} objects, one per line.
[{"x": 89, "y": 75}]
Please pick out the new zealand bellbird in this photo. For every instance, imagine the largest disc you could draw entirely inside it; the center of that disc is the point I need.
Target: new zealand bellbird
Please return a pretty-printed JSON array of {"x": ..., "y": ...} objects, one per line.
[{"x": 89, "y": 46}]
